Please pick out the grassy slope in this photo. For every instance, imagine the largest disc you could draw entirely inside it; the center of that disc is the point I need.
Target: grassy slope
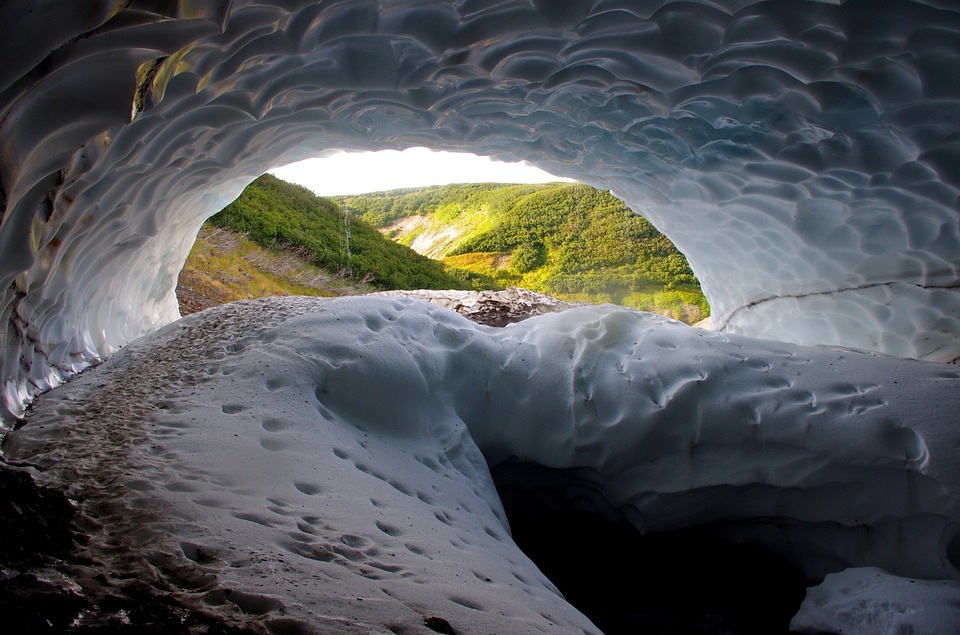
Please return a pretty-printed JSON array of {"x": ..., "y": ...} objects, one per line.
[
  {"x": 277, "y": 238},
  {"x": 568, "y": 240},
  {"x": 274, "y": 213},
  {"x": 435, "y": 220},
  {"x": 225, "y": 265}
]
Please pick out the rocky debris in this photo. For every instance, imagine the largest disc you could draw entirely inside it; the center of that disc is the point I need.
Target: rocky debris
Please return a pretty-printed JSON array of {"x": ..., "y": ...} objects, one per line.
[
  {"x": 192, "y": 301},
  {"x": 493, "y": 308}
]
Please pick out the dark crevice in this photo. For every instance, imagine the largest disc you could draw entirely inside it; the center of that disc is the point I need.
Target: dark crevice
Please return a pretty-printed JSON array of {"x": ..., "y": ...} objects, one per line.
[
  {"x": 690, "y": 581},
  {"x": 142, "y": 100}
]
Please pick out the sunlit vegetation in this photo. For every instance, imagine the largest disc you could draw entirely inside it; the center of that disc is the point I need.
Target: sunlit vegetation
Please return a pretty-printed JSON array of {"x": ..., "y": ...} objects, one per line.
[
  {"x": 280, "y": 215},
  {"x": 224, "y": 265},
  {"x": 568, "y": 240},
  {"x": 565, "y": 239}
]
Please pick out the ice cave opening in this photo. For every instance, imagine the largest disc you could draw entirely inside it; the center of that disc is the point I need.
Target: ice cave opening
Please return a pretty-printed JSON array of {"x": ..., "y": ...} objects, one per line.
[{"x": 802, "y": 153}]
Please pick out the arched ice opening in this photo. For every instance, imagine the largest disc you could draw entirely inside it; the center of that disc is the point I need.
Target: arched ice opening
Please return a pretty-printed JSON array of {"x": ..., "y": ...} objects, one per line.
[{"x": 803, "y": 154}]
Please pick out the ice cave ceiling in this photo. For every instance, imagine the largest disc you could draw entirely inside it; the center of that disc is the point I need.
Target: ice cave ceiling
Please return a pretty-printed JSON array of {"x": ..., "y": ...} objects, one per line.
[{"x": 804, "y": 154}]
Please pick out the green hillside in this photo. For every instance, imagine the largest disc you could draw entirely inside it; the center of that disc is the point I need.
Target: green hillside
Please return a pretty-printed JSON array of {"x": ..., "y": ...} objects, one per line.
[
  {"x": 225, "y": 265},
  {"x": 565, "y": 239},
  {"x": 280, "y": 215}
]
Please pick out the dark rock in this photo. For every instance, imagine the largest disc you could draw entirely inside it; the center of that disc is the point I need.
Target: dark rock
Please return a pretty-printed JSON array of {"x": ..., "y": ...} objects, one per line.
[
  {"x": 35, "y": 522},
  {"x": 493, "y": 308}
]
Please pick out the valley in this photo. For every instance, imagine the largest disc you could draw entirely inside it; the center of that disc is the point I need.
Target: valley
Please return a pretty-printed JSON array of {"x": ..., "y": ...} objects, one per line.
[{"x": 566, "y": 240}]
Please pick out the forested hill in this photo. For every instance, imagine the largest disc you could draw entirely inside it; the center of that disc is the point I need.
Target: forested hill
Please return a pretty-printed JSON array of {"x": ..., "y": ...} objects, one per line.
[
  {"x": 565, "y": 239},
  {"x": 280, "y": 215}
]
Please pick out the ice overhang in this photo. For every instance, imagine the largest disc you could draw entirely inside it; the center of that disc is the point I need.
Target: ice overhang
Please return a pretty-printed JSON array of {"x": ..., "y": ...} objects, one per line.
[{"x": 804, "y": 155}]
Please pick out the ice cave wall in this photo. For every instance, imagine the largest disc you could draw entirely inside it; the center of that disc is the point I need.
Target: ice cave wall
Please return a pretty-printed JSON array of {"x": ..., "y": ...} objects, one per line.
[{"x": 804, "y": 154}]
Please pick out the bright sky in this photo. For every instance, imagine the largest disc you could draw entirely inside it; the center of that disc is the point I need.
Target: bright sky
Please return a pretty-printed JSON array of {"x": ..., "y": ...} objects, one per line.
[{"x": 359, "y": 172}]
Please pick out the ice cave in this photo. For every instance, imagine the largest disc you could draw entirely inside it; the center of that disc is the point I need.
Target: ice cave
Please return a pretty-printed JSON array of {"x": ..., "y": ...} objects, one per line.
[{"x": 293, "y": 466}]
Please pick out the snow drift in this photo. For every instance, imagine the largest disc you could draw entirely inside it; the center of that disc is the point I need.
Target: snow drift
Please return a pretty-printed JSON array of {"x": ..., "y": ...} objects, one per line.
[{"x": 325, "y": 462}]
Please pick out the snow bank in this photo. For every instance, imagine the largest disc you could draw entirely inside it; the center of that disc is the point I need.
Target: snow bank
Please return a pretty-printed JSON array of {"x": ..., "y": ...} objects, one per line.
[
  {"x": 868, "y": 601},
  {"x": 803, "y": 154},
  {"x": 324, "y": 462}
]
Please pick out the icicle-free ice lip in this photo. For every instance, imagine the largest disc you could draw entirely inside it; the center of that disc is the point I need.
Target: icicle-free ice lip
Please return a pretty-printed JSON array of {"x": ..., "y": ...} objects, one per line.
[{"x": 346, "y": 442}]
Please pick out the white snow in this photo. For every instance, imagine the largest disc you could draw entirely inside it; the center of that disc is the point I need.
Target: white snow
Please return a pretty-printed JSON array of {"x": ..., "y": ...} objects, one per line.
[
  {"x": 868, "y": 601},
  {"x": 319, "y": 461},
  {"x": 802, "y": 154}
]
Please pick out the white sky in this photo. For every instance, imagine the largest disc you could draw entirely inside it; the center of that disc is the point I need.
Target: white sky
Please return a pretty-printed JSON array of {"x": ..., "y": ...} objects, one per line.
[{"x": 359, "y": 172}]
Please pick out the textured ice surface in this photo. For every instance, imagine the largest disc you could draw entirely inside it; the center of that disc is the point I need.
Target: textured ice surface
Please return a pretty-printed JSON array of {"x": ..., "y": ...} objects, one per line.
[
  {"x": 868, "y": 601},
  {"x": 803, "y": 154},
  {"x": 320, "y": 460}
]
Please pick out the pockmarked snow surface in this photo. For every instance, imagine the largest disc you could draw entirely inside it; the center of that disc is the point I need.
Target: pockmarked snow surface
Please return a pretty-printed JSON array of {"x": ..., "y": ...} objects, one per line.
[
  {"x": 323, "y": 464},
  {"x": 801, "y": 153},
  {"x": 867, "y": 601}
]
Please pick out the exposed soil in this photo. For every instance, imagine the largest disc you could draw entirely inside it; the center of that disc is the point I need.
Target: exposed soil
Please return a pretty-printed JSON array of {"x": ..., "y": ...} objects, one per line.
[{"x": 192, "y": 301}]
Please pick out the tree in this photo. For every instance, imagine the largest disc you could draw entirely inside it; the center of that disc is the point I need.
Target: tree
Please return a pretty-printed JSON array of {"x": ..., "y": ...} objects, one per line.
[{"x": 528, "y": 256}]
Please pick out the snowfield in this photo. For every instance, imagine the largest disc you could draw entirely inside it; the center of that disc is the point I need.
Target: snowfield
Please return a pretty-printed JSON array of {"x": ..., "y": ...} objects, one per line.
[{"x": 322, "y": 465}]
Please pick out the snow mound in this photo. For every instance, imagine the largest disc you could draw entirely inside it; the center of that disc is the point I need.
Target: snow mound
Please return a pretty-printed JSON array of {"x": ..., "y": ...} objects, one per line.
[
  {"x": 868, "y": 601},
  {"x": 324, "y": 463},
  {"x": 803, "y": 154}
]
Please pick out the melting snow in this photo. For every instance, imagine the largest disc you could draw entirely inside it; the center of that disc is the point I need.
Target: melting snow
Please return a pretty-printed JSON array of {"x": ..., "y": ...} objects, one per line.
[{"x": 326, "y": 461}]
